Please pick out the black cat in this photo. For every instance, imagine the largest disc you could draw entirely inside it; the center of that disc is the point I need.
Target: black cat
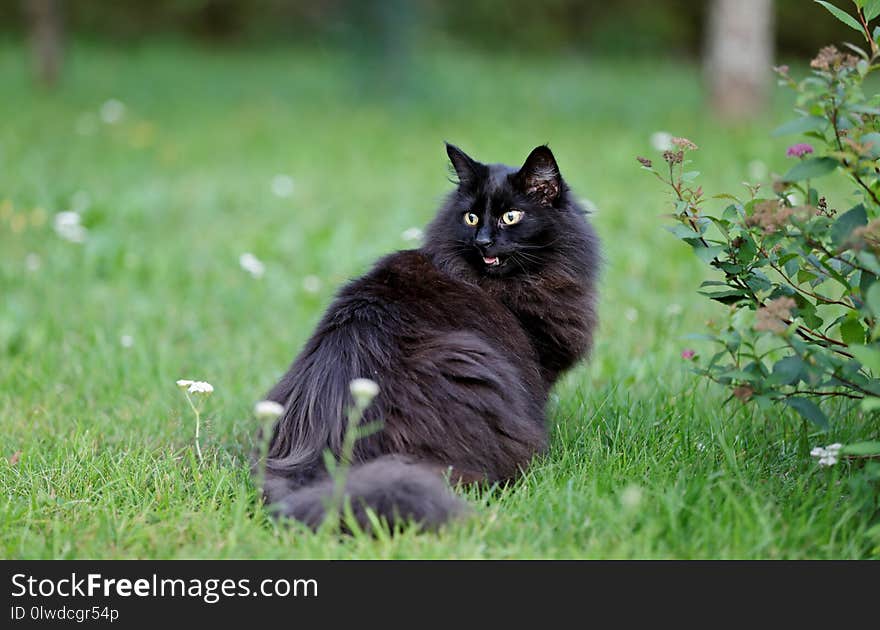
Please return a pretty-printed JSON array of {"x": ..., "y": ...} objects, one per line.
[{"x": 464, "y": 337}]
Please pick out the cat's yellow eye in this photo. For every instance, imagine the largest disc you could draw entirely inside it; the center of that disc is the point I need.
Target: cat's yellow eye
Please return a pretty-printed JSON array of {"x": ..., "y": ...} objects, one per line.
[
  {"x": 511, "y": 217},
  {"x": 471, "y": 219}
]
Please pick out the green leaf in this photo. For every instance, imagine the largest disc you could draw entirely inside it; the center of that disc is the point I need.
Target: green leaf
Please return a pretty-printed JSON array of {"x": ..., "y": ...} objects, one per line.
[
  {"x": 841, "y": 15},
  {"x": 873, "y": 142},
  {"x": 731, "y": 213},
  {"x": 846, "y": 223},
  {"x": 725, "y": 297},
  {"x": 851, "y": 332},
  {"x": 805, "y": 276},
  {"x": 801, "y": 125},
  {"x": 684, "y": 232},
  {"x": 861, "y": 448},
  {"x": 707, "y": 254},
  {"x": 871, "y": 404},
  {"x": 864, "y": 109},
  {"x": 872, "y": 9},
  {"x": 787, "y": 371},
  {"x": 872, "y": 298},
  {"x": 867, "y": 356},
  {"x": 809, "y": 410},
  {"x": 869, "y": 261},
  {"x": 814, "y": 167}
]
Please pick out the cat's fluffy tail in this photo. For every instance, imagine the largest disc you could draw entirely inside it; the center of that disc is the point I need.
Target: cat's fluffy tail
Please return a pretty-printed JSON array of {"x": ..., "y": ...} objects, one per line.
[{"x": 395, "y": 488}]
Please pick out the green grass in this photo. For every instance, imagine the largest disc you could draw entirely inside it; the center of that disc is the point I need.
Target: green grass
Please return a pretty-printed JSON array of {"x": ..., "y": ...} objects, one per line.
[{"x": 644, "y": 462}]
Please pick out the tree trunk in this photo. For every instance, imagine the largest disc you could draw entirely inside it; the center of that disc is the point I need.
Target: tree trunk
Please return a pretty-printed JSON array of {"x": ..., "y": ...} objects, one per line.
[
  {"x": 46, "y": 33},
  {"x": 739, "y": 55}
]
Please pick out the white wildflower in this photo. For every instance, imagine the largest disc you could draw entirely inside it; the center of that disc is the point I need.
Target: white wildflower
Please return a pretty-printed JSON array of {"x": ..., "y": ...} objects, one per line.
[
  {"x": 631, "y": 314},
  {"x": 268, "y": 410},
  {"x": 195, "y": 387},
  {"x": 67, "y": 225},
  {"x": 829, "y": 455},
  {"x": 112, "y": 111},
  {"x": 66, "y": 219},
  {"x": 32, "y": 262},
  {"x": 312, "y": 284},
  {"x": 252, "y": 265},
  {"x": 701, "y": 447},
  {"x": 282, "y": 185},
  {"x": 364, "y": 390},
  {"x": 412, "y": 234},
  {"x": 126, "y": 341},
  {"x": 661, "y": 140},
  {"x": 631, "y": 497},
  {"x": 200, "y": 387}
]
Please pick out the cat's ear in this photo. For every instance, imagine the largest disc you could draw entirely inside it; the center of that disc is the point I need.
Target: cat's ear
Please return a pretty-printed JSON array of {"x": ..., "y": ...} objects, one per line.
[
  {"x": 467, "y": 169},
  {"x": 539, "y": 176}
]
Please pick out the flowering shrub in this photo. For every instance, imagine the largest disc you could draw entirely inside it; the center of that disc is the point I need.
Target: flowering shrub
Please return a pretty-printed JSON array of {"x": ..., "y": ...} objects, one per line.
[{"x": 798, "y": 271}]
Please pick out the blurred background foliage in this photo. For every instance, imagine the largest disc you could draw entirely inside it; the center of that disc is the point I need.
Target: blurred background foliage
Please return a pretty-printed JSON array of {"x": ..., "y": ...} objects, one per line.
[{"x": 621, "y": 27}]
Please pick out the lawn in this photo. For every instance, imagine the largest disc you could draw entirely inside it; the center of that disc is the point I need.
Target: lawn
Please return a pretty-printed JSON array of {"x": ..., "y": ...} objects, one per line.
[{"x": 96, "y": 440}]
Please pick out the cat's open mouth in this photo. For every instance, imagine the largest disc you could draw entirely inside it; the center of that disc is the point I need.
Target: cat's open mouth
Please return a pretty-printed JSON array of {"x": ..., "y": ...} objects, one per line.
[{"x": 493, "y": 261}]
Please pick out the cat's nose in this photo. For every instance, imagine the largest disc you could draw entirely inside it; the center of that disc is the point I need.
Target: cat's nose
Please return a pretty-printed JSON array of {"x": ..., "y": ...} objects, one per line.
[{"x": 483, "y": 240}]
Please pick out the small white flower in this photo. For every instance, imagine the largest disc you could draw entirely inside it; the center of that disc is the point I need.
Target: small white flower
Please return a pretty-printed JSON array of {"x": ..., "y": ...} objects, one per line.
[
  {"x": 757, "y": 170},
  {"x": 200, "y": 387},
  {"x": 674, "y": 309},
  {"x": 126, "y": 341},
  {"x": 631, "y": 497},
  {"x": 252, "y": 265},
  {"x": 661, "y": 140},
  {"x": 701, "y": 447},
  {"x": 312, "y": 284},
  {"x": 268, "y": 410},
  {"x": 364, "y": 390},
  {"x": 631, "y": 314},
  {"x": 32, "y": 262},
  {"x": 412, "y": 234},
  {"x": 829, "y": 455},
  {"x": 112, "y": 111},
  {"x": 184, "y": 383},
  {"x": 66, "y": 219},
  {"x": 67, "y": 225},
  {"x": 282, "y": 186}
]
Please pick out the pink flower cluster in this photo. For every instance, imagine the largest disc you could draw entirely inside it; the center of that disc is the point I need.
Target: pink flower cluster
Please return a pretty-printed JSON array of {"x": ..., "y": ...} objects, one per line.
[{"x": 799, "y": 150}]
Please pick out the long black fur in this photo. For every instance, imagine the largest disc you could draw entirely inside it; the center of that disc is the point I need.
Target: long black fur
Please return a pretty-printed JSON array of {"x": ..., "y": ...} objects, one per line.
[{"x": 464, "y": 352}]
